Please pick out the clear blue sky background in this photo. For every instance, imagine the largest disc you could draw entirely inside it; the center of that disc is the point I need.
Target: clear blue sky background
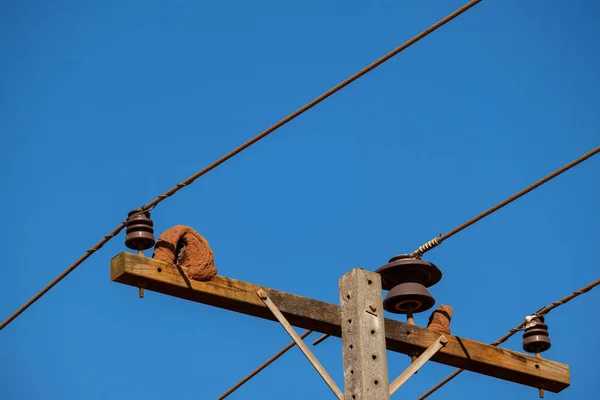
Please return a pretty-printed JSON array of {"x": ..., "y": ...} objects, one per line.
[{"x": 104, "y": 105}]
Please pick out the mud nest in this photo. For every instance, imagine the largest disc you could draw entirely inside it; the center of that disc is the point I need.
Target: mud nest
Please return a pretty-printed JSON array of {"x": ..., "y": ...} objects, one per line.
[
  {"x": 439, "y": 321},
  {"x": 184, "y": 247}
]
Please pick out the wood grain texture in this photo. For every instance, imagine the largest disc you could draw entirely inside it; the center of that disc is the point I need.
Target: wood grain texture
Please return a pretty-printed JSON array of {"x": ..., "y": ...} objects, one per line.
[{"x": 238, "y": 296}]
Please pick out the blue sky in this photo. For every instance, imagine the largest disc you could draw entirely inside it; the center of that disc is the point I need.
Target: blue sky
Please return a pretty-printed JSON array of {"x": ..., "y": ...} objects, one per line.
[{"x": 104, "y": 105}]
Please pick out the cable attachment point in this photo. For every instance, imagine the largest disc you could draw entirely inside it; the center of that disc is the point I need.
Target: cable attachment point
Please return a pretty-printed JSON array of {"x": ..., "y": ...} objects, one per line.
[
  {"x": 407, "y": 280},
  {"x": 140, "y": 230},
  {"x": 535, "y": 338},
  {"x": 426, "y": 247},
  {"x": 140, "y": 234},
  {"x": 535, "y": 335}
]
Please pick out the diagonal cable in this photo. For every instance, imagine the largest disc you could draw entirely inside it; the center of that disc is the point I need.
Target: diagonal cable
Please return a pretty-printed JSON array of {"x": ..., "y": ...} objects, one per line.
[
  {"x": 239, "y": 149},
  {"x": 541, "y": 312},
  {"x": 262, "y": 366},
  {"x": 437, "y": 241}
]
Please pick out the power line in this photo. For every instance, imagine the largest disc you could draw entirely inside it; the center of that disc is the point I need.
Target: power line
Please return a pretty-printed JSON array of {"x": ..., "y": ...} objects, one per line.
[
  {"x": 541, "y": 312},
  {"x": 239, "y": 149},
  {"x": 437, "y": 241},
  {"x": 262, "y": 366}
]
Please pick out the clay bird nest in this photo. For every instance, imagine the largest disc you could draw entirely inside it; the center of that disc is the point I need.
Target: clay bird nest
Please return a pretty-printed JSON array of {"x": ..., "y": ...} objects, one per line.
[
  {"x": 186, "y": 248},
  {"x": 439, "y": 321}
]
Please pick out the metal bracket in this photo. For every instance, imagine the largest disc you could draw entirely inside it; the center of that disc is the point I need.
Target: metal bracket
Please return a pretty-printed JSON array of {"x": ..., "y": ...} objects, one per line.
[
  {"x": 300, "y": 343},
  {"x": 418, "y": 363}
]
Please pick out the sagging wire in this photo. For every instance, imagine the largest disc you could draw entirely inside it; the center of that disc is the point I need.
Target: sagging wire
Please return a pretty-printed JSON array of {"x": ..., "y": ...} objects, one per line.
[{"x": 239, "y": 149}]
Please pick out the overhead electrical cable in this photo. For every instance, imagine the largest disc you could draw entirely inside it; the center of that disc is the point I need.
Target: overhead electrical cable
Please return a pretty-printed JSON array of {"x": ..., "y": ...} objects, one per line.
[
  {"x": 540, "y": 313},
  {"x": 262, "y": 366},
  {"x": 239, "y": 149},
  {"x": 437, "y": 241}
]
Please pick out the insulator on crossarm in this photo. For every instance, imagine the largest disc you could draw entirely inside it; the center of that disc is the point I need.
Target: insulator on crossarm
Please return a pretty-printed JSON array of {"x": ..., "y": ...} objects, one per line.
[
  {"x": 407, "y": 280},
  {"x": 139, "y": 231},
  {"x": 535, "y": 335}
]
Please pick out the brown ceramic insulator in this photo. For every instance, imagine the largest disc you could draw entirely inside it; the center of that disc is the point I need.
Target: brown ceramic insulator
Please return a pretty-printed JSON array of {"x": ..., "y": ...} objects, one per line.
[
  {"x": 407, "y": 279},
  {"x": 404, "y": 268},
  {"x": 536, "y": 338},
  {"x": 140, "y": 231},
  {"x": 408, "y": 296}
]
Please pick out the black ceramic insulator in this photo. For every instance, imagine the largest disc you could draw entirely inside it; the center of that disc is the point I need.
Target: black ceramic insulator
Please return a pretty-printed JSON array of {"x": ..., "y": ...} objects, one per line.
[
  {"x": 140, "y": 231},
  {"x": 536, "y": 338}
]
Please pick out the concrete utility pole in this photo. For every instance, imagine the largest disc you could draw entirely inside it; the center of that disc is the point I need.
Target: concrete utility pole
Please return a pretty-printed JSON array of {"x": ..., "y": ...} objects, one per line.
[{"x": 363, "y": 337}]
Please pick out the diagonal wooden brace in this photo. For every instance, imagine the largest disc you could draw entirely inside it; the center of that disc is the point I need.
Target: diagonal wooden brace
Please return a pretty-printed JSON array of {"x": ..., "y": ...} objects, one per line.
[
  {"x": 418, "y": 363},
  {"x": 300, "y": 343}
]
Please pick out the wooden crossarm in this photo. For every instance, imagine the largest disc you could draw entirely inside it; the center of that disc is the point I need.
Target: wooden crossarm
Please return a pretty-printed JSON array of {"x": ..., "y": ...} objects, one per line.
[{"x": 238, "y": 296}]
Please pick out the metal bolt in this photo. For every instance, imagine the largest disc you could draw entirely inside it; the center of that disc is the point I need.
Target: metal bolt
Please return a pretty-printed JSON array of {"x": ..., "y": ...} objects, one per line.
[{"x": 541, "y": 391}]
